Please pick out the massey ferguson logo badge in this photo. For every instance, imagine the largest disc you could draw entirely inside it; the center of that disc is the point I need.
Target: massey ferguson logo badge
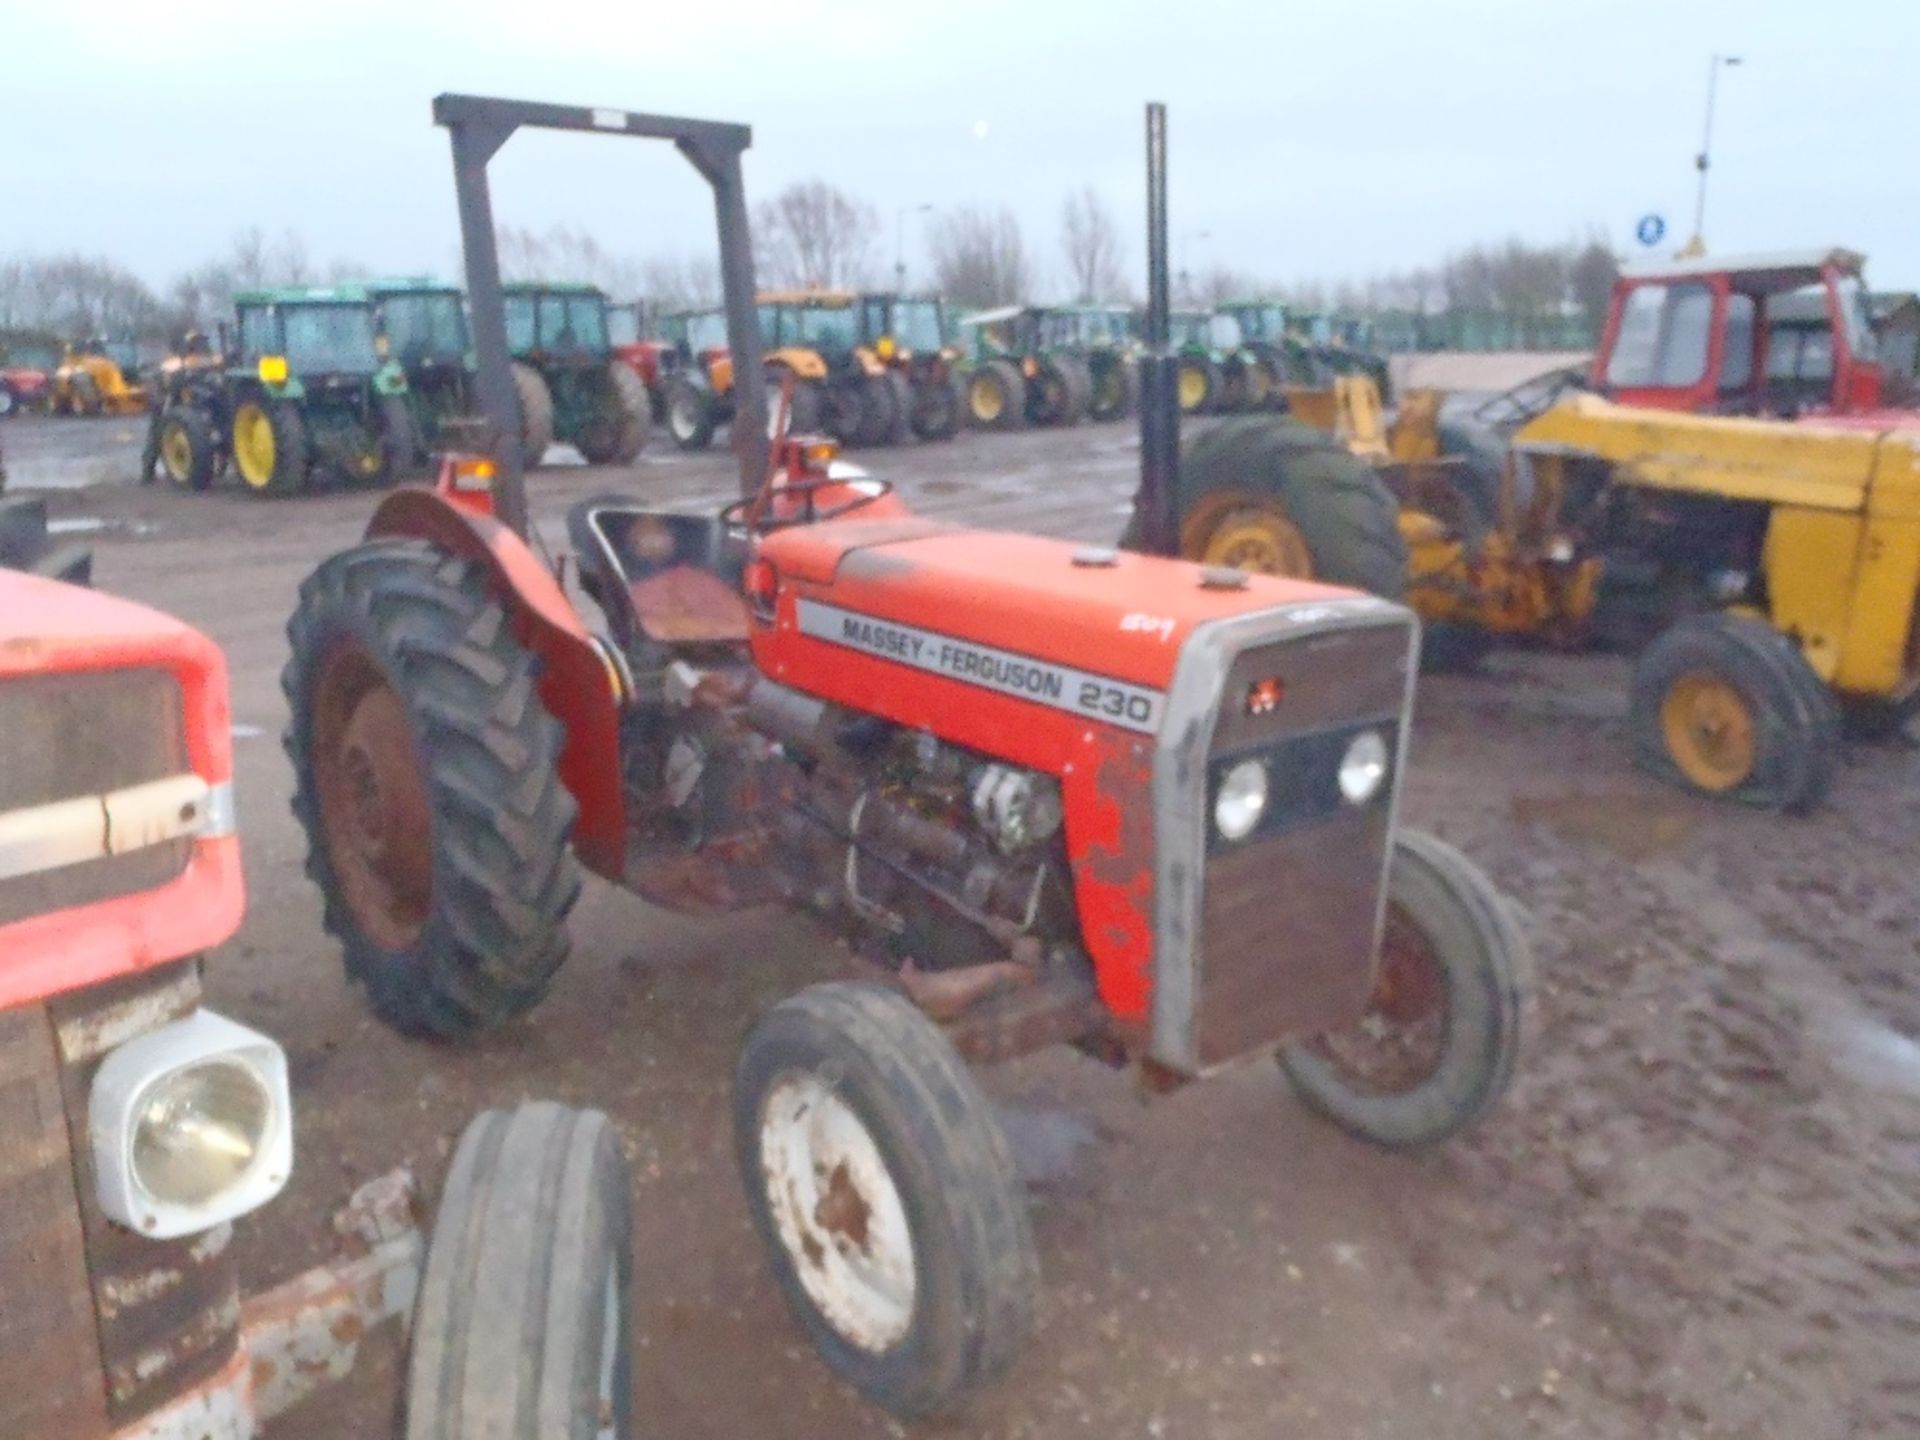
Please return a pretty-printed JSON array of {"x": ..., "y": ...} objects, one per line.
[{"x": 1112, "y": 702}]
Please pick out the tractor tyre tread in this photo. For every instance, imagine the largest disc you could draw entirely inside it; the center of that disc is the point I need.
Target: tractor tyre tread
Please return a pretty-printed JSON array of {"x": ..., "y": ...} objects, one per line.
[
  {"x": 535, "y": 404},
  {"x": 617, "y": 435},
  {"x": 683, "y": 399},
  {"x": 202, "y": 447},
  {"x": 1012, "y": 385}
]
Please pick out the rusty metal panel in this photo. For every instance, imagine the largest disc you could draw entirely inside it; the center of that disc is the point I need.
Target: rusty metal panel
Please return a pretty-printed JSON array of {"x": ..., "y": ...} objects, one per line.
[
  {"x": 167, "y": 1312},
  {"x": 50, "y": 1374}
]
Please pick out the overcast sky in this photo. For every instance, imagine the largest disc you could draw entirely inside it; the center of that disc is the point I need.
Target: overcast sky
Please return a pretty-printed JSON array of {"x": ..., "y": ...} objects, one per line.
[{"x": 1309, "y": 141}]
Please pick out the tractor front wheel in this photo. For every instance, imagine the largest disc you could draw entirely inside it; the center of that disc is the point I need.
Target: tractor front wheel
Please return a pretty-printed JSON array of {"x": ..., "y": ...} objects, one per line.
[
  {"x": 1116, "y": 389},
  {"x": 1728, "y": 706},
  {"x": 269, "y": 446},
  {"x": 937, "y": 406},
  {"x": 1197, "y": 386},
  {"x": 186, "y": 448},
  {"x": 1441, "y": 1035},
  {"x": 689, "y": 413},
  {"x": 997, "y": 397},
  {"x": 884, "y": 1191},
  {"x": 535, "y": 404},
  {"x": 425, "y": 776},
  {"x": 622, "y": 416}
]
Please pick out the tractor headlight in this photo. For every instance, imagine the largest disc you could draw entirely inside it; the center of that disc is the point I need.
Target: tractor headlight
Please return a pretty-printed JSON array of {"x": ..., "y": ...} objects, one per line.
[
  {"x": 1363, "y": 768},
  {"x": 191, "y": 1126},
  {"x": 1241, "y": 800}
]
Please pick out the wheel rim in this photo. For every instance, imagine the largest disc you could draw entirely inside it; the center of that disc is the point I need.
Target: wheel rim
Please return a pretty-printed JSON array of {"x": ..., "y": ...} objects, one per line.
[
  {"x": 254, "y": 448},
  {"x": 681, "y": 417},
  {"x": 1259, "y": 539},
  {"x": 838, "y": 1213},
  {"x": 6, "y": 401},
  {"x": 176, "y": 453},
  {"x": 1399, "y": 1042},
  {"x": 1709, "y": 731},
  {"x": 985, "y": 398},
  {"x": 1193, "y": 387},
  {"x": 374, "y": 815}
]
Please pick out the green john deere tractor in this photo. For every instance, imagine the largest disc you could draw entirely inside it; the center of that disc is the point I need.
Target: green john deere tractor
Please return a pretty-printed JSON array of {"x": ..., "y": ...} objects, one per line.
[
  {"x": 1026, "y": 368},
  {"x": 1282, "y": 358},
  {"x": 1218, "y": 373},
  {"x": 1342, "y": 345},
  {"x": 308, "y": 395},
  {"x": 423, "y": 324},
  {"x": 1105, "y": 338},
  {"x": 572, "y": 388}
]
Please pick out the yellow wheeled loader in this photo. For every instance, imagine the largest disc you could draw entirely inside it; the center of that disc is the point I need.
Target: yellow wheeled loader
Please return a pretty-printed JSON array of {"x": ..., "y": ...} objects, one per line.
[{"x": 93, "y": 379}]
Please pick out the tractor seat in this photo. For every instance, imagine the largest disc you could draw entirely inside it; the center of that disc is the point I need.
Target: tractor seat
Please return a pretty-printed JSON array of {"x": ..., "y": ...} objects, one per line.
[{"x": 661, "y": 579}]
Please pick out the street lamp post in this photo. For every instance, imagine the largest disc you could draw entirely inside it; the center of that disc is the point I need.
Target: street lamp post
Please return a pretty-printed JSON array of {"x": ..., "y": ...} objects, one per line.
[
  {"x": 1704, "y": 160},
  {"x": 900, "y": 242}
]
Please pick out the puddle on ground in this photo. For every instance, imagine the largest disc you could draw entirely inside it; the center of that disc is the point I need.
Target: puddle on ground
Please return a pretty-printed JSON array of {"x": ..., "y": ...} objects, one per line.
[
  {"x": 94, "y": 525},
  {"x": 1625, "y": 824}
]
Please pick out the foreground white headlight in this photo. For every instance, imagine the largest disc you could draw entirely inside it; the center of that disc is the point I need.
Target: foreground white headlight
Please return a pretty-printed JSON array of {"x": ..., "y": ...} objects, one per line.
[
  {"x": 1364, "y": 767},
  {"x": 191, "y": 1126},
  {"x": 1241, "y": 800}
]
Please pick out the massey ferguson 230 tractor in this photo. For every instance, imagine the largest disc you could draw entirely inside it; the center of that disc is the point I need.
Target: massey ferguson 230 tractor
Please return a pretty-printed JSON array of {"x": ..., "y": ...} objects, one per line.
[{"x": 1054, "y": 794}]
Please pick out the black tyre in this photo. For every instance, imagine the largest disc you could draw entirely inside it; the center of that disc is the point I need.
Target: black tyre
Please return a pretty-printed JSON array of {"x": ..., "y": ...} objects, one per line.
[
  {"x": 1057, "y": 395},
  {"x": 1079, "y": 387},
  {"x": 1197, "y": 384},
  {"x": 523, "y": 1326},
  {"x": 997, "y": 397},
  {"x": 689, "y": 412},
  {"x": 622, "y": 416},
  {"x": 186, "y": 448},
  {"x": 400, "y": 448},
  {"x": 809, "y": 408},
  {"x": 1116, "y": 388},
  {"x": 536, "y": 414},
  {"x": 425, "y": 777},
  {"x": 268, "y": 442},
  {"x": 899, "y": 408},
  {"x": 27, "y": 544},
  {"x": 1728, "y": 706},
  {"x": 845, "y": 408},
  {"x": 1442, "y": 1035},
  {"x": 884, "y": 1191},
  {"x": 1270, "y": 495},
  {"x": 937, "y": 406},
  {"x": 879, "y": 410}
]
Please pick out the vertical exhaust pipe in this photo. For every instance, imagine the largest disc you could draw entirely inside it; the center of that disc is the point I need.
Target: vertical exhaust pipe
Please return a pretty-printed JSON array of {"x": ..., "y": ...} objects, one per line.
[{"x": 1154, "y": 503}]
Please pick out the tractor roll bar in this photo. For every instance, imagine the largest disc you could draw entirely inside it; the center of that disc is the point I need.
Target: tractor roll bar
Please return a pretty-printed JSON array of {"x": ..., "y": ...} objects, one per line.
[
  {"x": 1154, "y": 502},
  {"x": 478, "y": 126}
]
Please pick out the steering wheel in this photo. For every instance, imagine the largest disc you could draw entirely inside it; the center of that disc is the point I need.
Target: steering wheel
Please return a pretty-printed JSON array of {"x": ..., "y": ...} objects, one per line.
[{"x": 736, "y": 516}]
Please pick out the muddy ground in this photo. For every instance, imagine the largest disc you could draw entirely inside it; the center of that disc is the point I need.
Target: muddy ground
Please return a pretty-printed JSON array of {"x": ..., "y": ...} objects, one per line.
[{"x": 1696, "y": 1215}]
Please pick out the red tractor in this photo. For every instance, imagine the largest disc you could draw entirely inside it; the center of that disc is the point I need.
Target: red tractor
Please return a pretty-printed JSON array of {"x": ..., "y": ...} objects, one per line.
[
  {"x": 1054, "y": 794},
  {"x": 136, "y": 1124}
]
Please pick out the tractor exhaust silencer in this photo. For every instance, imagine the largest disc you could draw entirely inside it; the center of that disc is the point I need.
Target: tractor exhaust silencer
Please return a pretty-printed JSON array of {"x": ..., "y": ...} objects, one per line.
[{"x": 1154, "y": 503}]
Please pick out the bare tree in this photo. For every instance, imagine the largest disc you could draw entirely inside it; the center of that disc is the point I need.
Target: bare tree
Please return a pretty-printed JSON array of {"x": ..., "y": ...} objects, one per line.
[
  {"x": 1091, "y": 241},
  {"x": 814, "y": 234},
  {"x": 680, "y": 283},
  {"x": 1590, "y": 277},
  {"x": 979, "y": 257}
]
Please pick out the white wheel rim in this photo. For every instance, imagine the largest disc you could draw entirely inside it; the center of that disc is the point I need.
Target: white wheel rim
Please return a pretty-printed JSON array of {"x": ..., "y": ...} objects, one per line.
[
  {"x": 838, "y": 1212},
  {"x": 612, "y": 1339}
]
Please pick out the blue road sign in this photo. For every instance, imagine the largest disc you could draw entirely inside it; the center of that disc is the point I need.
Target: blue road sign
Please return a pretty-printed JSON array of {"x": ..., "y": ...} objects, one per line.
[{"x": 1650, "y": 229}]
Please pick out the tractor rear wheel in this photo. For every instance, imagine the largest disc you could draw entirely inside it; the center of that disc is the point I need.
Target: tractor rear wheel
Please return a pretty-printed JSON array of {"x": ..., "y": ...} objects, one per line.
[
  {"x": 689, "y": 413},
  {"x": 1275, "y": 497},
  {"x": 1116, "y": 388},
  {"x": 899, "y": 408},
  {"x": 1442, "y": 1033},
  {"x": 936, "y": 407},
  {"x": 536, "y": 414},
  {"x": 878, "y": 410},
  {"x": 997, "y": 396},
  {"x": 269, "y": 446},
  {"x": 425, "y": 776},
  {"x": 1728, "y": 706},
  {"x": 186, "y": 448},
  {"x": 1058, "y": 395},
  {"x": 622, "y": 415},
  {"x": 1198, "y": 385},
  {"x": 399, "y": 438},
  {"x": 522, "y": 1329},
  {"x": 845, "y": 406},
  {"x": 884, "y": 1191}
]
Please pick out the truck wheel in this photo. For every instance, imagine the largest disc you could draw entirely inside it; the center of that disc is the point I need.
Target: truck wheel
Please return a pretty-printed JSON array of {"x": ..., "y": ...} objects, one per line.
[
  {"x": 425, "y": 777},
  {"x": 1197, "y": 386},
  {"x": 1275, "y": 497},
  {"x": 884, "y": 1192},
  {"x": 936, "y": 407},
  {"x": 523, "y": 1326},
  {"x": 622, "y": 417},
  {"x": 186, "y": 448},
  {"x": 269, "y": 446},
  {"x": 1728, "y": 706},
  {"x": 997, "y": 397},
  {"x": 1440, "y": 1038},
  {"x": 536, "y": 414},
  {"x": 689, "y": 413}
]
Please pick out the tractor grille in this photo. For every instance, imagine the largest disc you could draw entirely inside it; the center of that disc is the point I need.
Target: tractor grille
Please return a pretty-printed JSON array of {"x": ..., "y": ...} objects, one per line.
[
  {"x": 73, "y": 735},
  {"x": 1274, "y": 936},
  {"x": 100, "y": 1325}
]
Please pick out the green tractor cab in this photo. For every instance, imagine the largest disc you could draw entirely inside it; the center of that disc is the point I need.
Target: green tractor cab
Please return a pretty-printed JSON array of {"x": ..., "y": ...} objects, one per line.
[
  {"x": 571, "y": 387},
  {"x": 423, "y": 323},
  {"x": 1026, "y": 368},
  {"x": 1219, "y": 373},
  {"x": 308, "y": 394}
]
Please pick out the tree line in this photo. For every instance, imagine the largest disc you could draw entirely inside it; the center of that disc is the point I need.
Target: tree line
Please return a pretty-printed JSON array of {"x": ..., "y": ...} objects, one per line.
[{"x": 812, "y": 233}]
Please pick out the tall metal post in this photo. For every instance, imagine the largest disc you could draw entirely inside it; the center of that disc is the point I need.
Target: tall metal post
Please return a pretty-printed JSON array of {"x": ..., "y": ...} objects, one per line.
[
  {"x": 749, "y": 427},
  {"x": 1154, "y": 503},
  {"x": 474, "y": 144},
  {"x": 1704, "y": 160}
]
